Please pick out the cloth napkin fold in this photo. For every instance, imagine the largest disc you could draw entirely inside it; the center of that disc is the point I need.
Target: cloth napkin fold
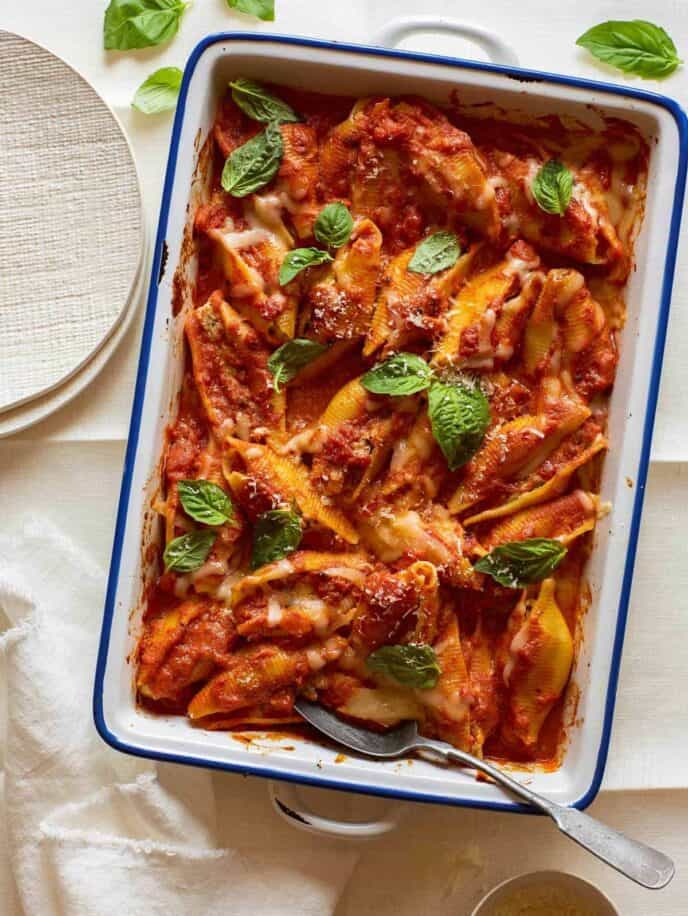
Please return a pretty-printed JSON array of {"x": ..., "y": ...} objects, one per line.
[{"x": 89, "y": 831}]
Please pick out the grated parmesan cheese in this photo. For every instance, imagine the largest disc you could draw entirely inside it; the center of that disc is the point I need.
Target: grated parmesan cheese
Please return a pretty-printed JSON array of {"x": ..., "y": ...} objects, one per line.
[{"x": 544, "y": 899}]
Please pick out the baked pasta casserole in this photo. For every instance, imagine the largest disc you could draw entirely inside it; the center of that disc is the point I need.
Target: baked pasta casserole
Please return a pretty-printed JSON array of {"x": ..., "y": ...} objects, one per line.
[{"x": 382, "y": 481}]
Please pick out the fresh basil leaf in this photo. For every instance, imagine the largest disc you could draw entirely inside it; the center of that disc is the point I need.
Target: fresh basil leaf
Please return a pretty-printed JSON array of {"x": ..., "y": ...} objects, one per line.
[
  {"x": 401, "y": 374},
  {"x": 159, "y": 92},
  {"x": 276, "y": 534},
  {"x": 333, "y": 225},
  {"x": 259, "y": 104},
  {"x": 459, "y": 415},
  {"x": 552, "y": 187},
  {"x": 289, "y": 359},
  {"x": 205, "y": 502},
  {"x": 634, "y": 46},
  {"x": 252, "y": 165},
  {"x": 188, "y": 552},
  {"x": 520, "y": 563},
  {"x": 299, "y": 259},
  {"x": 435, "y": 253},
  {"x": 131, "y": 24},
  {"x": 261, "y": 9},
  {"x": 411, "y": 665}
]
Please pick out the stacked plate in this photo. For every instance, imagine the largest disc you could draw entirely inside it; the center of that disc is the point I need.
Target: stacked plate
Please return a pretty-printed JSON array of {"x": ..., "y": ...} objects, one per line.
[{"x": 71, "y": 233}]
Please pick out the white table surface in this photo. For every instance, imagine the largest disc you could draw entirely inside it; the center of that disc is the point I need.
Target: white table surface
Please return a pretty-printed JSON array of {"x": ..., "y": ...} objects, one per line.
[{"x": 70, "y": 466}]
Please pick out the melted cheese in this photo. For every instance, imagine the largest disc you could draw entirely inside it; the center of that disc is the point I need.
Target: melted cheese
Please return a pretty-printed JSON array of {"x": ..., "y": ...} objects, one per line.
[
  {"x": 346, "y": 572},
  {"x": 316, "y": 659},
  {"x": 319, "y": 656},
  {"x": 317, "y": 612},
  {"x": 487, "y": 323},
  {"x": 453, "y": 706},
  {"x": 498, "y": 181},
  {"x": 304, "y": 441},
  {"x": 520, "y": 267},
  {"x": 418, "y": 445},
  {"x": 585, "y": 501},
  {"x": 533, "y": 167},
  {"x": 393, "y": 536},
  {"x": 244, "y": 238},
  {"x": 284, "y": 568},
  {"x": 275, "y": 611},
  {"x": 266, "y": 216},
  {"x": 517, "y": 645},
  {"x": 242, "y": 426},
  {"x": 212, "y": 567},
  {"x": 624, "y": 204},
  {"x": 181, "y": 586},
  {"x": 224, "y": 590},
  {"x": 483, "y": 358}
]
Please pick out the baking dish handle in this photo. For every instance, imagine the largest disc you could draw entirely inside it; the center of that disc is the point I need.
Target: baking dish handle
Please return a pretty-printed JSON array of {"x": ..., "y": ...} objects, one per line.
[
  {"x": 395, "y": 31},
  {"x": 287, "y": 802}
]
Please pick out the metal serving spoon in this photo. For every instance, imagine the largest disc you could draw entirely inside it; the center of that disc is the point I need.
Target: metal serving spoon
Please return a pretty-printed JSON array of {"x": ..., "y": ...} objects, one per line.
[{"x": 641, "y": 863}]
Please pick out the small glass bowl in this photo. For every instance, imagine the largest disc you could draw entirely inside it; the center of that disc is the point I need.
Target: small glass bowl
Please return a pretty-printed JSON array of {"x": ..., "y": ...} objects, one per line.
[{"x": 533, "y": 887}]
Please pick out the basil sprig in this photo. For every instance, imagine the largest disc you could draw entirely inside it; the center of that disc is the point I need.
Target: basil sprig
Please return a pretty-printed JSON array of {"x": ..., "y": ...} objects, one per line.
[
  {"x": 552, "y": 187},
  {"x": 410, "y": 665},
  {"x": 261, "y": 9},
  {"x": 633, "y": 46},
  {"x": 254, "y": 164},
  {"x": 131, "y": 24},
  {"x": 459, "y": 411},
  {"x": 289, "y": 359},
  {"x": 299, "y": 259},
  {"x": 435, "y": 253},
  {"x": 205, "y": 502},
  {"x": 259, "y": 104},
  {"x": 400, "y": 375},
  {"x": 459, "y": 415},
  {"x": 188, "y": 552},
  {"x": 159, "y": 92},
  {"x": 519, "y": 563},
  {"x": 276, "y": 534},
  {"x": 333, "y": 228},
  {"x": 333, "y": 225}
]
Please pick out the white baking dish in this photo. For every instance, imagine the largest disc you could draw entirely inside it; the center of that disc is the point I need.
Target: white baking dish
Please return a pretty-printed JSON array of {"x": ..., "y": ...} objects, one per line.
[{"x": 360, "y": 71}]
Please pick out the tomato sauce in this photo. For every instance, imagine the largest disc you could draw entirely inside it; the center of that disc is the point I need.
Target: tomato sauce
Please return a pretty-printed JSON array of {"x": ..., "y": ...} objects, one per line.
[{"x": 375, "y": 483}]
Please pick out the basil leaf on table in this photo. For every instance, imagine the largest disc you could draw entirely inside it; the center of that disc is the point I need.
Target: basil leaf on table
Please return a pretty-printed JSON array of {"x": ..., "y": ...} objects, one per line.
[
  {"x": 520, "y": 563},
  {"x": 402, "y": 374},
  {"x": 333, "y": 225},
  {"x": 552, "y": 187},
  {"x": 132, "y": 24},
  {"x": 205, "y": 502},
  {"x": 254, "y": 164},
  {"x": 459, "y": 415},
  {"x": 261, "y": 9},
  {"x": 299, "y": 259},
  {"x": 633, "y": 46},
  {"x": 188, "y": 552},
  {"x": 435, "y": 253},
  {"x": 410, "y": 665},
  {"x": 159, "y": 92},
  {"x": 276, "y": 534},
  {"x": 259, "y": 104},
  {"x": 289, "y": 359}
]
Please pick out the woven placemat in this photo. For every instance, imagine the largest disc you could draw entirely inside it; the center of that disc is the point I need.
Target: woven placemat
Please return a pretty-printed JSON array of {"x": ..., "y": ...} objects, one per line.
[{"x": 71, "y": 230}]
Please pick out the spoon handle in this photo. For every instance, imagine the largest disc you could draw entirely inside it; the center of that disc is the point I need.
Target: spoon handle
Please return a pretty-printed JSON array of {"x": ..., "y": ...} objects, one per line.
[{"x": 640, "y": 863}]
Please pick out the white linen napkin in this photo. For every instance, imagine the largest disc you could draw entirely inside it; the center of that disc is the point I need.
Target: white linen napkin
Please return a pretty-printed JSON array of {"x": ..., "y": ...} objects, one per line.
[{"x": 91, "y": 832}]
